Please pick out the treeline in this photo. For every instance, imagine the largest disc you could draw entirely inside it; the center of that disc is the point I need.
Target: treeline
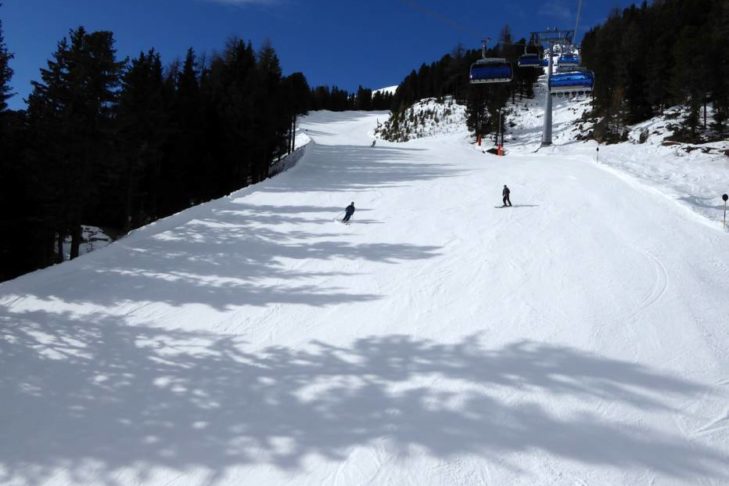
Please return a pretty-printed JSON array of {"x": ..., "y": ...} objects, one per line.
[
  {"x": 118, "y": 143},
  {"x": 335, "y": 99},
  {"x": 647, "y": 58},
  {"x": 449, "y": 77}
]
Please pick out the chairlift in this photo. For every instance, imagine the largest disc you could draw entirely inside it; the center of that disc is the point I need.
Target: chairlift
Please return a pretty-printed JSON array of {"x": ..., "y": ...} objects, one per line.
[
  {"x": 576, "y": 82},
  {"x": 568, "y": 59},
  {"x": 491, "y": 70},
  {"x": 562, "y": 68},
  {"x": 530, "y": 61}
]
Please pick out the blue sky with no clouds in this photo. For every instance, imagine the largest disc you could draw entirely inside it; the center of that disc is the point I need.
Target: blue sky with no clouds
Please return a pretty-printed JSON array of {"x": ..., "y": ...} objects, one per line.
[{"x": 334, "y": 42}]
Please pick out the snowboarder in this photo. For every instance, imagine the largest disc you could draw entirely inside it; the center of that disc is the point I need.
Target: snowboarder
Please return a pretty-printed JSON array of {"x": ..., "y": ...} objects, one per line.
[
  {"x": 505, "y": 193},
  {"x": 373, "y": 143},
  {"x": 348, "y": 212}
]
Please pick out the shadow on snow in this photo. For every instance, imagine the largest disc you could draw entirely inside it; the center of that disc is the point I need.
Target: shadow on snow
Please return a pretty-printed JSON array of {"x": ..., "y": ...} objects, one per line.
[
  {"x": 117, "y": 396},
  {"x": 225, "y": 255}
]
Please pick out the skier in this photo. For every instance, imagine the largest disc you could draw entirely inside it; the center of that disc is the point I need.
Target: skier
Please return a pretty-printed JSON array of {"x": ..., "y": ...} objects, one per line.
[
  {"x": 373, "y": 142},
  {"x": 505, "y": 193},
  {"x": 348, "y": 212}
]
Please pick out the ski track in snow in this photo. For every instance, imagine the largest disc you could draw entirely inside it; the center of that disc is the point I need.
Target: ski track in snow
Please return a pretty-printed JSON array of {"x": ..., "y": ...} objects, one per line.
[{"x": 579, "y": 337}]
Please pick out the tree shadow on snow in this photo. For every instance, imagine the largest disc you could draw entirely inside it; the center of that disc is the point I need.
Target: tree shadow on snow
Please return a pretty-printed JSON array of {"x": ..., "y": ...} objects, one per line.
[
  {"x": 228, "y": 254},
  {"x": 96, "y": 397}
]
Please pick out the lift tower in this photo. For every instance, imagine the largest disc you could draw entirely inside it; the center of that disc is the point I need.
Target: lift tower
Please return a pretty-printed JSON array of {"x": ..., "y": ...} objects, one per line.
[{"x": 548, "y": 39}]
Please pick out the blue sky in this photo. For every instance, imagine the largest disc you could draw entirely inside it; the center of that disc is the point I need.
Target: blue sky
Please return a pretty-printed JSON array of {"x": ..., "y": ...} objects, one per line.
[{"x": 334, "y": 42}]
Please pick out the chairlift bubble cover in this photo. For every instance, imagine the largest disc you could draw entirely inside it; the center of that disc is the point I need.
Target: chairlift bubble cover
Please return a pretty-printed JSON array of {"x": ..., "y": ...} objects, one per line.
[
  {"x": 491, "y": 71},
  {"x": 569, "y": 59},
  {"x": 573, "y": 81},
  {"x": 530, "y": 60}
]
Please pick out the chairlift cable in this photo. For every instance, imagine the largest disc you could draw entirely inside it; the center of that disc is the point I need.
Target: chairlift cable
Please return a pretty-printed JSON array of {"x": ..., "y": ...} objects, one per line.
[{"x": 577, "y": 22}]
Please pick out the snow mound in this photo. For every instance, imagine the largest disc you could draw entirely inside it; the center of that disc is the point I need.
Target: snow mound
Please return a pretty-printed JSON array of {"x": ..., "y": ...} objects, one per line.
[
  {"x": 694, "y": 175},
  {"x": 426, "y": 118}
]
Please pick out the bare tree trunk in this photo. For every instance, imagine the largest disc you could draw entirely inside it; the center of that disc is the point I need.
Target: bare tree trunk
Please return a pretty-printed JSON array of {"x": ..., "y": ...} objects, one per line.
[
  {"x": 59, "y": 248},
  {"x": 75, "y": 240}
]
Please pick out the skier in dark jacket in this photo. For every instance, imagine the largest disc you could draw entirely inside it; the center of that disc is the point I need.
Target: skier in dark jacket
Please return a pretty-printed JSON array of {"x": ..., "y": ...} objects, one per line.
[
  {"x": 505, "y": 193},
  {"x": 348, "y": 212}
]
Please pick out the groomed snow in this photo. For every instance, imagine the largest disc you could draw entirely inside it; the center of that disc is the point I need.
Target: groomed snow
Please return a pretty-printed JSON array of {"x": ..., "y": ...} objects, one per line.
[{"x": 579, "y": 337}]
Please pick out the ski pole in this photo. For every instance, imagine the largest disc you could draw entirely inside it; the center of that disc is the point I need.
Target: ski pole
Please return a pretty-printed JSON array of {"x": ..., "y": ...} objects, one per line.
[{"x": 724, "y": 197}]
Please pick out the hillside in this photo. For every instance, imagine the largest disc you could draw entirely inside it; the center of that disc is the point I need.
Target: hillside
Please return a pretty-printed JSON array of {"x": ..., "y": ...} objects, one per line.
[{"x": 577, "y": 337}]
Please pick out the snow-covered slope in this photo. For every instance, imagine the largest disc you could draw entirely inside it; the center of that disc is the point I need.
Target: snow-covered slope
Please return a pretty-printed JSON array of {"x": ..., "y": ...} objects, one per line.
[
  {"x": 695, "y": 176},
  {"x": 425, "y": 118},
  {"x": 579, "y": 337}
]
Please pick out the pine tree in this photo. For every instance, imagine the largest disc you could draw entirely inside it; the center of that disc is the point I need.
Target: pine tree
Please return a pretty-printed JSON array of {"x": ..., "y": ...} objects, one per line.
[
  {"x": 296, "y": 96},
  {"x": 272, "y": 117},
  {"x": 142, "y": 126},
  {"x": 505, "y": 40},
  {"x": 364, "y": 98},
  {"x": 71, "y": 111},
  {"x": 12, "y": 195},
  {"x": 672, "y": 52},
  {"x": 124, "y": 143},
  {"x": 477, "y": 116},
  {"x": 179, "y": 180},
  {"x": 230, "y": 89},
  {"x": 381, "y": 100},
  {"x": 5, "y": 72}
]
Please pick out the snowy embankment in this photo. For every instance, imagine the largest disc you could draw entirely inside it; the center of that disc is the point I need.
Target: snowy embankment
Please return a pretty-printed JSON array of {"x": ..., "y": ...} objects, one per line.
[
  {"x": 302, "y": 140},
  {"x": 425, "y": 118},
  {"x": 579, "y": 337},
  {"x": 693, "y": 175}
]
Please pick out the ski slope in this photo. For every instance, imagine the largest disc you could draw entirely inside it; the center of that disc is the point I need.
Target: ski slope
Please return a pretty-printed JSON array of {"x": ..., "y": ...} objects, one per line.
[{"x": 579, "y": 337}]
